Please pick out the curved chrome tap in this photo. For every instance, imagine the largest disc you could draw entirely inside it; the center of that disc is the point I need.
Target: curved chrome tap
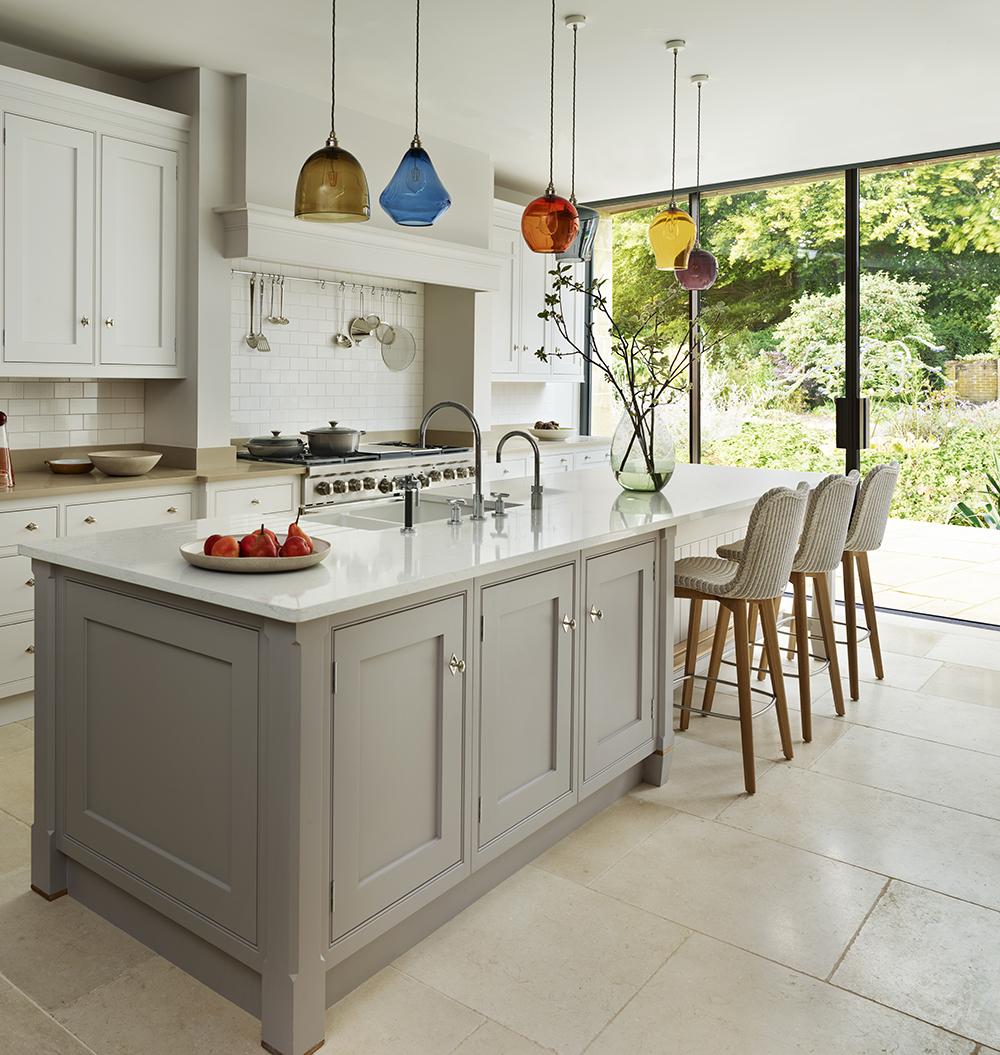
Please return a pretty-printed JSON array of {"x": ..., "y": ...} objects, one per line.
[
  {"x": 477, "y": 498},
  {"x": 536, "y": 489}
]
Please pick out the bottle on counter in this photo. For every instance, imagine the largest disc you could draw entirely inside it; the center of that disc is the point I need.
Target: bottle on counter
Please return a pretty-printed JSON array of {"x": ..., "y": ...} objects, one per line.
[{"x": 6, "y": 468}]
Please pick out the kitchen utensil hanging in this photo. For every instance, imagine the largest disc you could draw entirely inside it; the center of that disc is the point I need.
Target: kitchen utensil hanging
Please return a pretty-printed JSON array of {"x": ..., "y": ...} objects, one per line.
[
  {"x": 274, "y": 320},
  {"x": 360, "y": 328},
  {"x": 384, "y": 333},
  {"x": 340, "y": 339},
  {"x": 284, "y": 320},
  {"x": 262, "y": 342},
  {"x": 399, "y": 354},
  {"x": 251, "y": 337}
]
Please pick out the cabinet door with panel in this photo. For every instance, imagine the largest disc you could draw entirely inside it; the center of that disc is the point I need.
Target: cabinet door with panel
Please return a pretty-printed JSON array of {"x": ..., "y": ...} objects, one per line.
[
  {"x": 506, "y": 327},
  {"x": 398, "y": 747},
  {"x": 526, "y": 696},
  {"x": 618, "y": 613}
]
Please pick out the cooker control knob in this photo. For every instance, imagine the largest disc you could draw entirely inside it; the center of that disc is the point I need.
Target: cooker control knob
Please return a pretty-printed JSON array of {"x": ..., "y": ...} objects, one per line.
[
  {"x": 472, "y": 471},
  {"x": 354, "y": 484},
  {"x": 461, "y": 472},
  {"x": 339, "y": 487},
  {"x": 435, "y": 475},
  {"x": 369, "y": 483},
  {"x": 424, "y": 479},
  {"x": 449, "y": 474},
  {"x": 323, "y": 487},
  {"x": 385, "y": 486}
]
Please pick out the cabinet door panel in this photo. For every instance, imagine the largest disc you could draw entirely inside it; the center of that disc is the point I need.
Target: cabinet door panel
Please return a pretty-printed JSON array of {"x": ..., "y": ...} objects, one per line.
[
  {"x": 48, "y": 243},
  {"x": 138, "y": 253},
  {"x": 527, "y": 671},
  {"x": 506, "y": 326},
  {"x": 618, "y": 656},
  {"x": 534, "y": 285},
  {"x": 398, "y": 772}
]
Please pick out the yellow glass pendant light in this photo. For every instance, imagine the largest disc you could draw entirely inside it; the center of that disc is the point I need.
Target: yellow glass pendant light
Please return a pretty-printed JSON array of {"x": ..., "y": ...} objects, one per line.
[
  {"x": 672, "y": 233},
  {"x": 332, "y": 187}
]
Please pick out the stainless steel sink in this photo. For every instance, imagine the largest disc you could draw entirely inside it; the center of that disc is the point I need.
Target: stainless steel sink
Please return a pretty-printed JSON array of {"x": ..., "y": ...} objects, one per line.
[{"x": 376, "y": 517}]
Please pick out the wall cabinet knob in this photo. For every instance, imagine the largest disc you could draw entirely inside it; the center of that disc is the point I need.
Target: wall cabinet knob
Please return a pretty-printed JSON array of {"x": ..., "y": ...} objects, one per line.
[
  {"x": 255, "y": 501},
  {"x": 30, "y": 582},
  {"x": 31, "y": 527},
  {"x": 568, "y": 624},
  {"x": 89, "y": 520},
  {"x": 456, "y": 666},
  {"x": 595, "y": 613},
  {"x": 85, "y": 321},
  {"x": 30, "y": 649},
  {"x": 109, "y": 322},
  {"x": 172, "y": 509}
]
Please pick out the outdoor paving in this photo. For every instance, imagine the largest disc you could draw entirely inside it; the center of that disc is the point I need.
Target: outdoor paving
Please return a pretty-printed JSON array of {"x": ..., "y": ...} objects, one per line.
[{"x": 938, "y": 569}]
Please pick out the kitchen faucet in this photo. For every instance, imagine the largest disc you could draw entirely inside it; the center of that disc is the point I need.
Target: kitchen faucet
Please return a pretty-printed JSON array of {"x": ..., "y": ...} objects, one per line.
[
  {"x": 477, "y": 498},
  {"x": 536, "y": 488}
]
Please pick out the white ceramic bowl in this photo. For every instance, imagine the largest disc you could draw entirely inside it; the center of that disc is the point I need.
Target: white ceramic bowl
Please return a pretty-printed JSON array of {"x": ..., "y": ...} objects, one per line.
[
  {"x": 124, "y": 463},
  {"x": 552, "y": 434}
]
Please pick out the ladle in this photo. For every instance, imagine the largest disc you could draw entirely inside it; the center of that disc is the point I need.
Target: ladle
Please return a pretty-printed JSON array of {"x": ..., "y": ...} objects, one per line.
[{"x": 341, "y": 340}]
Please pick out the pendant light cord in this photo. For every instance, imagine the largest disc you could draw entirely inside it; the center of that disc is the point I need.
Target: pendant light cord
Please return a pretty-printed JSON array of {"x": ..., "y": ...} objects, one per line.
[
  {"x": 333, "y": 72},
  {"x": 572, "y": 181},
  {"x": 673, "y": 149},
  {"x": 552, "y": 102},
  {"x": 416, "y": 88},
  {"x": 697, "y": 170}
]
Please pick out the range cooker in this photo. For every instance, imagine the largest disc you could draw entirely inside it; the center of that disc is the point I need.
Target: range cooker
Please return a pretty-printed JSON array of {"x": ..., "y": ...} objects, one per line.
[{"x": 370, "y": 471}]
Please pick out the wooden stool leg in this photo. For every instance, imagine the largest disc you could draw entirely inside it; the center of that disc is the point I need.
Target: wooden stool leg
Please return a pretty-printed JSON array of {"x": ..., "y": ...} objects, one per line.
[
  {"x": 802, "y": 648},
  {"x": 762, "y": 672},
  {"x": 851, "y": 618},
  {"x": 770, "y": 628},
  {"x": 690, "y": 659},
  {"x": 753, "y": 637},
  {"x": 865, "y": 578},
  {"x": 718, "y": 647},
  {"x": 741, "y": 630},
  {"x": 821, "y": 590}
]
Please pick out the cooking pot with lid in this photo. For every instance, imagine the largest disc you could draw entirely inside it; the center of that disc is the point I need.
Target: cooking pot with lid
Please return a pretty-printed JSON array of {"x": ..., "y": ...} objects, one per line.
[
  {"x": 333, "y": 440},
  {"x": 265, "y": 446}
]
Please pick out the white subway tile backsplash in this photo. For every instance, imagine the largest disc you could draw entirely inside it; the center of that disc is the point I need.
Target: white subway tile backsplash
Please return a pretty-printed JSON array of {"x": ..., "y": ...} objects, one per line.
[{"x": 514, "y": 403}]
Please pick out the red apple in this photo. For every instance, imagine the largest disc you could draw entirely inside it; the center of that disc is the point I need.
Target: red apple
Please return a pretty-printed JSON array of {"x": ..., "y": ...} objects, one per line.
[
  {"x": 226, "y": 546},
  {"x": 295, "y": 546},
  {"x": 209, "y": 543},
  {"x": 246, "y": 544}
]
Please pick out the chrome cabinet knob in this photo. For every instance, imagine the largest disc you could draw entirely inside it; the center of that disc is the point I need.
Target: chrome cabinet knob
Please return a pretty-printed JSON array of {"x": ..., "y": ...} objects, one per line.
[
  {"x": 109, "y": 322},
  {"x": 568, "y": 624},
  {"x": 595, "y": 613},
  {"x": 85, "y": 321},
  {"x": 31, "y": 527},
  {"x": 172, "y": 509},
  {"x": 456, "y": 665},
  {"x": 255, "y": 501},
  {"x": 89, "y": 520},
  {"x": 30, "y": 649},
  {"x": 30, "y": 582}
]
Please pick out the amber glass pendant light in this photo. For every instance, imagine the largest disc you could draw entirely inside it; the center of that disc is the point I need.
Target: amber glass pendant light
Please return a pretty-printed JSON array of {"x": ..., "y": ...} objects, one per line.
[
  {"x": 582, "y": 247},
  {"x": 550, "y": 223},
  {"x": 702, "y": 269},
  {"x": 672, "y": 233},
  {"x": 332, "y": 187},
  {"x": 415, "y": 197}
]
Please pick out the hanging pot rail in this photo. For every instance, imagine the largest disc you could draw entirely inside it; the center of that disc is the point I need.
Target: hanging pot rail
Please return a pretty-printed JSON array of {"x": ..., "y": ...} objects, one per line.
[{"x": 324, "y": 282}]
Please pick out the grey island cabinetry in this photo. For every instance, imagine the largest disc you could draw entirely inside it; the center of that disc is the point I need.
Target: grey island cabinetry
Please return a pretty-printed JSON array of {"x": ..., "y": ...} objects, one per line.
[{"x": 280, "y": 782}]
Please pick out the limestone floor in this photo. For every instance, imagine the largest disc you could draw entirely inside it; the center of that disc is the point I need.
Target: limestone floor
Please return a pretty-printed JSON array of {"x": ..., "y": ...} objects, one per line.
[{"x": 850, "y": 907}]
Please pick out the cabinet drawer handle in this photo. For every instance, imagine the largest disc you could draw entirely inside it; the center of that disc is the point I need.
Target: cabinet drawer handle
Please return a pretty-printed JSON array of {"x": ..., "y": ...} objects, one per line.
[
  {"x": 32, "y": 527},
  {"x": 85, "y": 321},
  {"x": 568, "y": 624},
  {"x": 172, "y": 509},
  {"x": 456, "y": 666},
  {"x": 89, "y": 520},
  {"x": 30, "y": 582},
  {"x": 109, "y": 322},
  {"x": 30, "y": 649},
  {"x": 255, "y": 501},
  {"x": 595, "y": 613}
]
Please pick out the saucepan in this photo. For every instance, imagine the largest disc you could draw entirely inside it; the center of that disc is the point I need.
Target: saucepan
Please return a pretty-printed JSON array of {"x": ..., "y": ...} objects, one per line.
[
  {"x": 333, "y": 440},
  {"x": 269, "y": 446}
]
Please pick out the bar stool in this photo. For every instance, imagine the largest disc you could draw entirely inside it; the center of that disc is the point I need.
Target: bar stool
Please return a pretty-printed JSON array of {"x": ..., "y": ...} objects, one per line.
[
  {"x": 821, "y": 548},
  {"x": 760, "y": 577},
  {"x": 865, "y": 534}
]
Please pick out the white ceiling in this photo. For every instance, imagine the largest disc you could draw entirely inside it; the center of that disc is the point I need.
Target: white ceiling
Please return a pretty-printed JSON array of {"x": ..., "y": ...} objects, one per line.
[{"x": 795, "y": 84}]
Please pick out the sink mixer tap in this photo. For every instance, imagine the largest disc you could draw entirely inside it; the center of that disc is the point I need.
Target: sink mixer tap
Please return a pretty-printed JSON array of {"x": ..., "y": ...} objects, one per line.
[
  {"x": 478, "y": 503},
  {"x": 536, "y": 487}
]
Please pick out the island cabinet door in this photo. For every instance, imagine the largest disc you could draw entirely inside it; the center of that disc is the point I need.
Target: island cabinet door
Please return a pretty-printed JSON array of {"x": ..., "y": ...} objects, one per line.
[
  {"x": 526, "y": 699},
  {"x": 618, "y": 657},
  {"x": 161, "y": 718},
  {"x": 398, "y": 747}
]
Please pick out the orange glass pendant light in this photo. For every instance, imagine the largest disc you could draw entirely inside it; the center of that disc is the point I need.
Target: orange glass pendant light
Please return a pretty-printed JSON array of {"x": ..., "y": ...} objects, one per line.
[
  {"x": 550, "y": 223},
  {"x": 332, "y": 187},
  {"x": 702, "y": 268},
  {"x": 672, "y": 233}
]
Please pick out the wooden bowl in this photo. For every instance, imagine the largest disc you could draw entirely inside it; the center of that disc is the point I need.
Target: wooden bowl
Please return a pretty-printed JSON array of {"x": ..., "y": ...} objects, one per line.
[
  {"x": 124, "y": 463},
  {"x": 70, "y": 465}
]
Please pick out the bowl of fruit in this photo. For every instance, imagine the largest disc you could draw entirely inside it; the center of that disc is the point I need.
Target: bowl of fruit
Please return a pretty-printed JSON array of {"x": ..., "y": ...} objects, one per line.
[
  {"x": 260, "y": 551},
  {"x": 551, "y": 430}
]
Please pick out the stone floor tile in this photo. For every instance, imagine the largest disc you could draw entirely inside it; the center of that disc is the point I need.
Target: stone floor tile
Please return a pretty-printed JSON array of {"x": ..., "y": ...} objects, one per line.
[
  {"x": 15, "y": 844},
  {"x": 789, "y": 905},
  {"x": 712, "y": 999},
  {"x": 930, "y": 956},
  {"x": 923, "y": 769},
  {"x": 922, "y": 843},
  {"x": 157, "y": 1009},
  {"x": 703, "y": 778},
  {"x": 585, "y": 853},
  {"x": 949, "y": 608},
  {"x": 965, "y": 651},
  {"x": 392, "y": 1013},
  {"x": 988, "y": 612},
  {"x": 523, "y": 957},
  {"x": 901, "y": 671},
  {"x": 17, "y": 789},
  {"x": 910, "y": 637},
  {"x": 25, "y": 1029},
  {"x": 57, "y": 951},
  {"x": 14, "y": 737},
  {"x": 900, "y": 569},
  {"x": 959, "y": 682},
  {"x": 972, "y": 585},
  {"x": 493, "y": 1039}
]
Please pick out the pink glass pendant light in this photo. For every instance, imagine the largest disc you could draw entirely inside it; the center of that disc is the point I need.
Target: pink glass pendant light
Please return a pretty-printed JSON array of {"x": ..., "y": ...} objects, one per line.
[
  {"x": 702, "y": 268},
  {"x": 550, "y": 223},
  {"x": 672, "y": 233}
]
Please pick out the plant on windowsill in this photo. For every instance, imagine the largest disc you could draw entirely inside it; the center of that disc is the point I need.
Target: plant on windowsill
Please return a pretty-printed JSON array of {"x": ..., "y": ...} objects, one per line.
[{"x": 648, "y": 368}]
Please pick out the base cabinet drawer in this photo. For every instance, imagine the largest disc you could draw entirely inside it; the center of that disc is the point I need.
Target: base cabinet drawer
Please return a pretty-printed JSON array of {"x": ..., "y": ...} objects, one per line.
[
  {"x": 126, "y": 513},
  {"x": 586, "y": 459},
  {"x": 17, "y": 659},
  {"x": 27, "y": 525},
  {"x": 265, "y": 499},
  {"x": 17, "y": 593}
]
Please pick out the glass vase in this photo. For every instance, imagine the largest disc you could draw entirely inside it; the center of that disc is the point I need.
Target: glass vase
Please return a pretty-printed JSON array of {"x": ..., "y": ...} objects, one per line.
[{"x": 643, "y": 460}]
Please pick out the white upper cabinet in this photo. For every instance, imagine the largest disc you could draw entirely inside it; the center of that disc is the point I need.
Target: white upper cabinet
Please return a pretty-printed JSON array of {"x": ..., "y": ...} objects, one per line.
[{"x": 91, "y": 232}]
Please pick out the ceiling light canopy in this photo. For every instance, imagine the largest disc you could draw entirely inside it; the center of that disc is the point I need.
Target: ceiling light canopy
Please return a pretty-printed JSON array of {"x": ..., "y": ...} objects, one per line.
[
  {"x": 332, "y": 187},
  {"x": 672, "y": 233}
]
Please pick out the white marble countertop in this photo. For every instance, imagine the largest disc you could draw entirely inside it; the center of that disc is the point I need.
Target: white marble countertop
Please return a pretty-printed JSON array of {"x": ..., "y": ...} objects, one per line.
[{"x": 367, "y": 565}]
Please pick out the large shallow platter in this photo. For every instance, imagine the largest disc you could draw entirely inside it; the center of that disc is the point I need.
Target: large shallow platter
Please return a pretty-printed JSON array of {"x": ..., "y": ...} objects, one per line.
[
  {"x": 194, "y": 553},
  {"x": 552, "y": 434}
]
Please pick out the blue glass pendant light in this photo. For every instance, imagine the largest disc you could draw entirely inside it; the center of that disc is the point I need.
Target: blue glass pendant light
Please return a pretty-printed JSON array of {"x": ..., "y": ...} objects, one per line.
[{"x": 415, "y": 197}]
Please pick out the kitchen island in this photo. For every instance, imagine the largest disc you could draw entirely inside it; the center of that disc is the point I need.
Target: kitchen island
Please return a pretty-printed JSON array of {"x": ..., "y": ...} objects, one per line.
[{"x": 280, "y": 782}]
